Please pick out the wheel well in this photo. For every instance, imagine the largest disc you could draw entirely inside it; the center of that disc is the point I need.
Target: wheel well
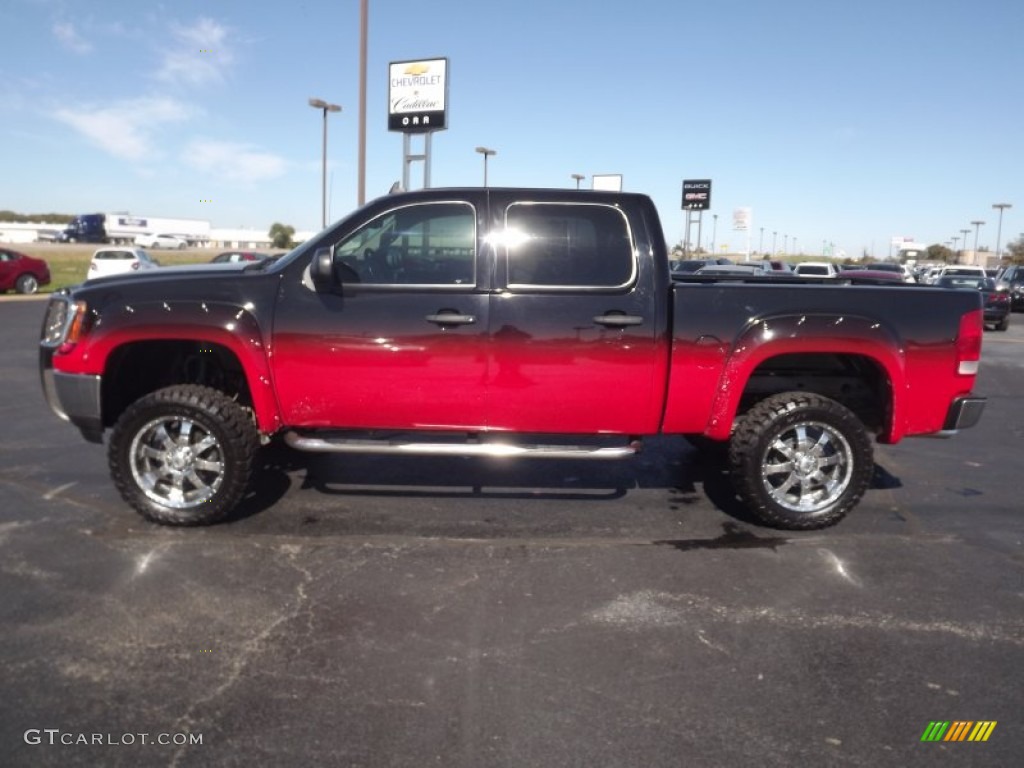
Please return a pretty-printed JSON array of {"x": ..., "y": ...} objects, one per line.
[
  {"x": 856, "y": 381},
  {"x": 139, "y": 368}
]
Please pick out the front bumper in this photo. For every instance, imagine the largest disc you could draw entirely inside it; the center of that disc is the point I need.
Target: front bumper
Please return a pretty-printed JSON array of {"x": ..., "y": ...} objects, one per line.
[{"x": 73, "y": 397}]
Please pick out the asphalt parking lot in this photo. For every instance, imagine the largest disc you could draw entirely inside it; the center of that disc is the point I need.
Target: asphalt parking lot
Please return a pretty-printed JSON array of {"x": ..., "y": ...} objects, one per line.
[{"x": 374, "y": 612}]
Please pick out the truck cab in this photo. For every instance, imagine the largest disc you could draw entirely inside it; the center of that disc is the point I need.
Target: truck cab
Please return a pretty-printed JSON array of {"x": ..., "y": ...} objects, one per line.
[{"x": 86, "y": 228}]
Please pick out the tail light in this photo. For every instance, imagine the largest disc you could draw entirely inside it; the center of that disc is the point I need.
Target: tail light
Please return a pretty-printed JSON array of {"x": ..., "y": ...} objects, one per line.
[
  {"x": 968, "y": 342},
  {"x": 135, "y": 265}
]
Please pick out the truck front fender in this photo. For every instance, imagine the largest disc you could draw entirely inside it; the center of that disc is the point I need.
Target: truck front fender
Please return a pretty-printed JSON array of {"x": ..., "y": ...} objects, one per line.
[
  {"x": 839, "y": 334},
  {"x": 232, "y": 327}
]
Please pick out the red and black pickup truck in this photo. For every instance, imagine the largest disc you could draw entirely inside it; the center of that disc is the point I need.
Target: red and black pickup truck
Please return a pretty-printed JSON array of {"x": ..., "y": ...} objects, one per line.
[{"x": 465, "y": 320}]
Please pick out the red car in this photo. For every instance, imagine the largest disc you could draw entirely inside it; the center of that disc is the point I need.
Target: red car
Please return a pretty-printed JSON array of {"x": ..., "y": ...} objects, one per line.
[{"x": 22, "y": 273}]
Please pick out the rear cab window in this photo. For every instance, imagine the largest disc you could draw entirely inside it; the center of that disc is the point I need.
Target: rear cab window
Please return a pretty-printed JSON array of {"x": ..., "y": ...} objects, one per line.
[{"x": 568, "y": 246}]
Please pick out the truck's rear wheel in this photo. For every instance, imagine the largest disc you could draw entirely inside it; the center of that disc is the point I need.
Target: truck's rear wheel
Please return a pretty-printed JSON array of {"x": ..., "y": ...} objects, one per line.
[
  {"x": 800, "y": 461},
  {"x": 183, "y": 455}
]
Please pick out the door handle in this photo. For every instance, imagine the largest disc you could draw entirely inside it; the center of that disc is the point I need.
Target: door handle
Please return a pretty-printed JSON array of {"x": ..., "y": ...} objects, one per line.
[
  {"x": 448, "y": 317},
  {"x": 618, "y": 321}
]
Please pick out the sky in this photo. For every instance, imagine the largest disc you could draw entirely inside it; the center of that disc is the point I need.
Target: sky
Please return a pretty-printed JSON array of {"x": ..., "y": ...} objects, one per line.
[{"x": 835, "y": 122}]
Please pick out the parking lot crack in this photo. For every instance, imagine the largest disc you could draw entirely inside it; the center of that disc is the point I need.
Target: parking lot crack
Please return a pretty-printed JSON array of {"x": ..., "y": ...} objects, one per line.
[{"x": 255, "y": 646}]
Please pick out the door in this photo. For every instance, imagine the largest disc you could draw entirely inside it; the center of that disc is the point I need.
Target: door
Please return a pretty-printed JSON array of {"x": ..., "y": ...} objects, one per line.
[
  {"x": 401, "y": 346},
  {"x": 574, "y": 326}
]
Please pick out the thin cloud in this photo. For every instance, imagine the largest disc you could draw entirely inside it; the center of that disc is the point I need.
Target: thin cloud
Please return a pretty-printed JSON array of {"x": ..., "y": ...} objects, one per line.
[
  {"x": 68, "y": 36},
  {"x": 126, "y": 129},
  {"x": 233, "y": 162},
  {"x": 200, "y": 54}
]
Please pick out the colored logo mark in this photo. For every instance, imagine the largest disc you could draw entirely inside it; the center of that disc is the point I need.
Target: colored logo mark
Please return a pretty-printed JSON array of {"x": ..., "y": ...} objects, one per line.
[{"x": 958, "y": 730}]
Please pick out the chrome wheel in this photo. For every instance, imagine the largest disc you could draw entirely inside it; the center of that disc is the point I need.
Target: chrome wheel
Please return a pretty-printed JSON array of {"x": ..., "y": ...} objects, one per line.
[
  {"x": 176, "y": 462},
  {"x": 808, "y": 467},
  {"x": 800, "y": 460}
]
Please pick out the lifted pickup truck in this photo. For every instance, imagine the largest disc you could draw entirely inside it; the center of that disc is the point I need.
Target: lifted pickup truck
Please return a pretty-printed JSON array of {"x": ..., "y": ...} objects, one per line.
[{"x": 467, "y": 319}]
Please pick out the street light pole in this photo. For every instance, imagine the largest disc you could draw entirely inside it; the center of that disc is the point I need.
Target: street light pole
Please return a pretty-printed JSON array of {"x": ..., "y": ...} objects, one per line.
[
  {"x": 785, "y": 243},
  {"x": 486, "y": 152},
  {"x": 965, "y": 233},
  {"x": 773, "y": 242},
  {"x": 579, "y": 177},
  {"x": 714, "y": 231},
  {"x": 364, "y": 14},
  {"x": 977, "y": 228},
  {"x": 326, "y": 107},
  {"x": 999, "y": 229}
]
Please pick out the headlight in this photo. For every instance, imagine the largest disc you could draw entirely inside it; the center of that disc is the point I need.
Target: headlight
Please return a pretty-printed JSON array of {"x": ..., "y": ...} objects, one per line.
[
  {"x": 56, "y": 322},
  {"x": 64, "y": 321}
]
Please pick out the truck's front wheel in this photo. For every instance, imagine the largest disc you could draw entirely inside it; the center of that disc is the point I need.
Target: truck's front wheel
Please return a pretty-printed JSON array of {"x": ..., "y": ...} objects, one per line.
[
  {"x": 183, "y": 455},
  {"x": 800, "y": 461}
]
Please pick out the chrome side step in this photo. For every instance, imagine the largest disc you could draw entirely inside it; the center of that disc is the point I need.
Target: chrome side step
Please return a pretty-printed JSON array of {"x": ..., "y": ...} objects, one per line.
[{"x": 486, "y": 449}]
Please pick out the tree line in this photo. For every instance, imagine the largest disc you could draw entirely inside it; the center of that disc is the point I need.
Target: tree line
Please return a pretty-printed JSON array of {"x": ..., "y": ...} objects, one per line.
[{"x": 44, "y": 218}]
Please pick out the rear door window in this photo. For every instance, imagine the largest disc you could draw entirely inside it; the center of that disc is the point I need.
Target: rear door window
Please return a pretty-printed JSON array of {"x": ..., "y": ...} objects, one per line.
[{"x": 555, "y": 245}]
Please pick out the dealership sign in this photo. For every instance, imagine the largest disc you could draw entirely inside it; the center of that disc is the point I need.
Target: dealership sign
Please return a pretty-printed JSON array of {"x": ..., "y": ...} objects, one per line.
[
  {"x": 697, "y": 194},
  {"x": 418, "y": 96},
  {"x": 741, "y": 219}
]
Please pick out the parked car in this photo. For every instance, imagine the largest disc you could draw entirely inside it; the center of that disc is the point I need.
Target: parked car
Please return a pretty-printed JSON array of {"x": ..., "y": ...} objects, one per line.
[
  {"x": 229, "y": 257},
  {"x": 759, "y": 265},
  {"x": 692, "y": 265},
  {"x": 160, "y": 241},
  {"x": 747, "y": 268},
  {"x": 570, "y": 332},
  {"x": 22, "y": 273},
  {"x": 901, "y": 270},
  {"x": 816, "y": 269},
  {"x": 961, "y": 270},
  {"x": 996, "y": 301},
  {"x": 1011, "y": 279},
  {"x": 117, "y": 261},
  {"x": 872, "y": 275}
]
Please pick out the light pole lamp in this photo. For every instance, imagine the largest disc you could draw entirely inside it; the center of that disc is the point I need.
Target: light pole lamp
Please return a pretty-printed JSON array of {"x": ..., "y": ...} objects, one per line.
[
  {"x": 326, "y": 107},
  {"x": 999, "y": 229},
  {"x": 486, "y": 152},
  {"x": 578, "y": 177}
]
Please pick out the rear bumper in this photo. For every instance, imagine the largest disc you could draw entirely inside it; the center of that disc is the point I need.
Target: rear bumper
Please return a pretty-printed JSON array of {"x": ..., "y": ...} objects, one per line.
[{"x": 963, "y": 413}]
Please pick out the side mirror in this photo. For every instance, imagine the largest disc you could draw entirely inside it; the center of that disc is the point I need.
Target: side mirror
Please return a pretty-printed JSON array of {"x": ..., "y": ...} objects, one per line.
[{"x": 321, "y": 270}]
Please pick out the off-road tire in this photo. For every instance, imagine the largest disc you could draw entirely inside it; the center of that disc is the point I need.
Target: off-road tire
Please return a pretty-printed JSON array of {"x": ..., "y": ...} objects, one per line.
[
  {"x": 800, "y": 461},
  {"x": 183, "y": 455}
]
